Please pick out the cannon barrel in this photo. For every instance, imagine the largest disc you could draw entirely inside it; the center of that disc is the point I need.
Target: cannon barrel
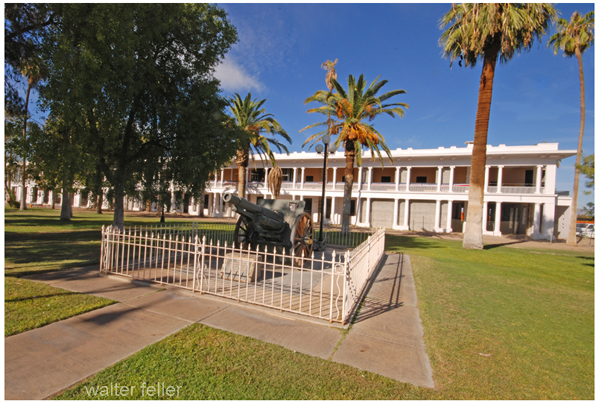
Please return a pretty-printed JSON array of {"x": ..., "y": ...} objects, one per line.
[{"x": 264, "y": 217}]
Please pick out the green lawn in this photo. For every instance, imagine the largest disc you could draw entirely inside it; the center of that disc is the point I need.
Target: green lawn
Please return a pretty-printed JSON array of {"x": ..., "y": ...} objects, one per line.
[
  {"x": 30, "y": 304},
  {"x": 503, "y": 323},
  {"x": 37, "y": 241}
]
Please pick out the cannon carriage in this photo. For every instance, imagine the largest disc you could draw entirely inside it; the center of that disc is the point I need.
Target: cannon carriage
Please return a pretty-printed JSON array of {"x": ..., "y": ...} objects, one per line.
[{"x": 273, "y": 223}]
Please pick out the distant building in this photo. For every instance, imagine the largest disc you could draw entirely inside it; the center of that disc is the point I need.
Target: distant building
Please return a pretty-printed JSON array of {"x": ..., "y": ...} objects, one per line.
[{"x": 422, "y": 190}]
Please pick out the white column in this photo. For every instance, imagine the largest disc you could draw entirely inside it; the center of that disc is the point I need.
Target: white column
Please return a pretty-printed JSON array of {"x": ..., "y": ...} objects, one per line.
[
  {"x": 334, "y": 179},
  {"x": 486, "y": 178},
  {"x": 359, "y": 178},
  {"x": 333, "y": 209},
  {"x": 368, "y": 212},
  {"x": 497, "y": 229},
  {"x": 449, "y": 214},
  {"x": 437, "y": 215},
  {"x": 406, "y": 216},
  {"x": 397, "y": 172},
  {"x": 451, "y": 173},
  {"x": 539, "y": 178},
  {"x": 369, "y": 177},
  {"x": 266, "y": 178},
  {"x": 408, "y": 179},
  {"x": 173, "y": 201},
  {"x": 303, "y": 176},
  {"x": 214, "y": 205},
  {"x": 439, "y": 177},
  {"x": 222, "y": 177},
  {"x": 499, "y": 178},
  {"x": 294, "y": 176},
  {"x": 220, "y": 205},
  {"x": 215, "y": 178},
  {"x": 395, "y": 212},
  {"x": 537, "y": 220}
]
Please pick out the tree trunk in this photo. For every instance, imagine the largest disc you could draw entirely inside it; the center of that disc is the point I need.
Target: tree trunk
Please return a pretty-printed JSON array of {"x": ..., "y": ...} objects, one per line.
[
  {"x": 574, "y": 207},
  {"x": 53, "y": 202},
  {"x": 119, "y": 212},
  {"x": 242, "y": 163},
  {"x": 99, "y": 202},
  {"x": 473, "y": 236},
  {"x": 23, "y": 205},
  {"x": 350, "y": 155},
  {"x": 65, "y": 211},
  {"x": 148, "y": 206}
]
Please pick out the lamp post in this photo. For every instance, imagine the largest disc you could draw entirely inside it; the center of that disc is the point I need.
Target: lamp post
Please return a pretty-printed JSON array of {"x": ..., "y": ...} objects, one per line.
[{"x": 326, "y": 139}]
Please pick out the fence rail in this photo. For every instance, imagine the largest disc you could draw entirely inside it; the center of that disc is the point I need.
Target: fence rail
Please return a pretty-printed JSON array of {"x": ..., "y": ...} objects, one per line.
[{"x": 327, "y": 285}]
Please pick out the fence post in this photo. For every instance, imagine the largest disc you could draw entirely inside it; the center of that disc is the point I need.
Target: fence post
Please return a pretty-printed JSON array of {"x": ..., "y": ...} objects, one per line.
[
  {"x": 345, "y": 282},
  {"x": 203, "y": 254},
  {"x": 102, "y": 251},
  {"x": 195, "y": 263}
]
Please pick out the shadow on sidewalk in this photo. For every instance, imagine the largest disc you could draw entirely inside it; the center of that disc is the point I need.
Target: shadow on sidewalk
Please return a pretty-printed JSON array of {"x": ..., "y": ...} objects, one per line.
[{"x": 382, "y": 293}]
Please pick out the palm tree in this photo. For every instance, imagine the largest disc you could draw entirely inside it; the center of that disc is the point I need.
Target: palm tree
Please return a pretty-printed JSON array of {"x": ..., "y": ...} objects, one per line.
[
  {"x": 573, "y": 38},
  {"x": 351, "y": 109},
  {"x": 487, "y": 31},
  {"x": 33, "y": 71},
  {"x": 252, "y": 120}
]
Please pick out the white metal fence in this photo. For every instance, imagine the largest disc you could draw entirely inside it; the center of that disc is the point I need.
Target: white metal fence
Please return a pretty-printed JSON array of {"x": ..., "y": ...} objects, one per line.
[{"x": 328, "y": 285}]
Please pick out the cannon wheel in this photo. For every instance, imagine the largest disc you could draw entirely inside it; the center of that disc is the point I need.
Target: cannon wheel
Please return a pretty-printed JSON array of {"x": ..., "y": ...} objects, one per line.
[
  {"x": 242, "y": 232},
  {"x": 302, "y": 238}
]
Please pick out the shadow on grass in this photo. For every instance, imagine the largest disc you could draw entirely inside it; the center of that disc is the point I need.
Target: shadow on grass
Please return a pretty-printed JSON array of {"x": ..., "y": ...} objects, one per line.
[
  {"x": 399, "y": 243},
  {"x": 22, "y": 299},
  {"x": 29, "y": 253},
  {"x": 491, "y": 246}
]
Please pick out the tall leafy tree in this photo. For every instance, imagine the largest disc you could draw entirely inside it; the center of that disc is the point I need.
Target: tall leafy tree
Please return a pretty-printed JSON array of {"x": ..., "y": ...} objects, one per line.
[
  {"x": 488, "y": 31},
  {"x": 34, "y": 71},
  {"x": 351, "y": 109},
  {"x": 139, "y": 79},
  {"x": 25, "y": 26},
  {"x": 259, "y": 130},
  {"x": 574, "y": 38}
]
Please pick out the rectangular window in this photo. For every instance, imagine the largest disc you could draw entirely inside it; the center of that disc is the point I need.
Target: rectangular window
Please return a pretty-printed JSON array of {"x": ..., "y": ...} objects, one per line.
[
  {"x": 528, "y": 176},
  {"x": 309, "y": 178},
  {"x": 420, "y": 180},
  {"x": 287, "y": 174},
  {"x": 386, "y": 178},
  {"x": 352, "y": 209},
  {"x": 257, "y": 174},
  {"x": 308, "y": 207},
  {"x": 328, "y": 208}
]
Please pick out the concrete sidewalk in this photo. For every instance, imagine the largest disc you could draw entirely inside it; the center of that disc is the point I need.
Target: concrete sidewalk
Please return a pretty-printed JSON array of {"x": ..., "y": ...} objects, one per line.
[{"x": 386, "y": 338}]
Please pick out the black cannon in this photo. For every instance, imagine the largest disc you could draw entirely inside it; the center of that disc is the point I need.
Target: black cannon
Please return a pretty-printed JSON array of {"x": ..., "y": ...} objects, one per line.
[{"x": 273, "y": 222}]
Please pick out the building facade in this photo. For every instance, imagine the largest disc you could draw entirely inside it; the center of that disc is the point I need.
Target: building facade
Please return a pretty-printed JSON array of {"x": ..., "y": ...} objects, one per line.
[{"x": 420, "y": 190}]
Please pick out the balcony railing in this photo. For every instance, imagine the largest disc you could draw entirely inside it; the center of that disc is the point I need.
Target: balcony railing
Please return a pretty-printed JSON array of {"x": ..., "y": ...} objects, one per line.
[{"x": 387, "y": 187}]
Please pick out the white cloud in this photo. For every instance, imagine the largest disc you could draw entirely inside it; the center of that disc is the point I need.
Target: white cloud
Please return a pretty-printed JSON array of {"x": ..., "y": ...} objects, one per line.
[{"x": 234, "y": 78}]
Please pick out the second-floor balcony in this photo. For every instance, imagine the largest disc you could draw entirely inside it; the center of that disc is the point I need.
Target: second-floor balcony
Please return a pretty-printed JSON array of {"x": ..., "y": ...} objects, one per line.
[{"x": 389, "y": 187}]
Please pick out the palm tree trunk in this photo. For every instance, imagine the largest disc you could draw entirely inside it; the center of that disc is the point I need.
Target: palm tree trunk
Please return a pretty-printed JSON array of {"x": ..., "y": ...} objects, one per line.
[
  {"x": 473, "y": 236},
  {"x": 574, "y": 207},
  {"x": 23, "y": 205},
  {"x": 350, "y": 154},
  {"x": 242, "y": 163}
]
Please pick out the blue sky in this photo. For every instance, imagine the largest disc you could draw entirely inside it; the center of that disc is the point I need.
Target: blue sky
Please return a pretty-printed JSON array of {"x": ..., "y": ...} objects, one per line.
[{"x": 281, "y": 47}]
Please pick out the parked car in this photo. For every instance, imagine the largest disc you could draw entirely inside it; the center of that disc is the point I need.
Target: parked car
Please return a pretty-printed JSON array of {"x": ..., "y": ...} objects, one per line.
[{"x": 585, "y": 230}]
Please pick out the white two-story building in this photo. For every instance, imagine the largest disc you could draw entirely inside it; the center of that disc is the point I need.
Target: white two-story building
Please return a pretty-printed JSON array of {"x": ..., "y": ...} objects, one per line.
[{"x": 421, "y": 190}]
